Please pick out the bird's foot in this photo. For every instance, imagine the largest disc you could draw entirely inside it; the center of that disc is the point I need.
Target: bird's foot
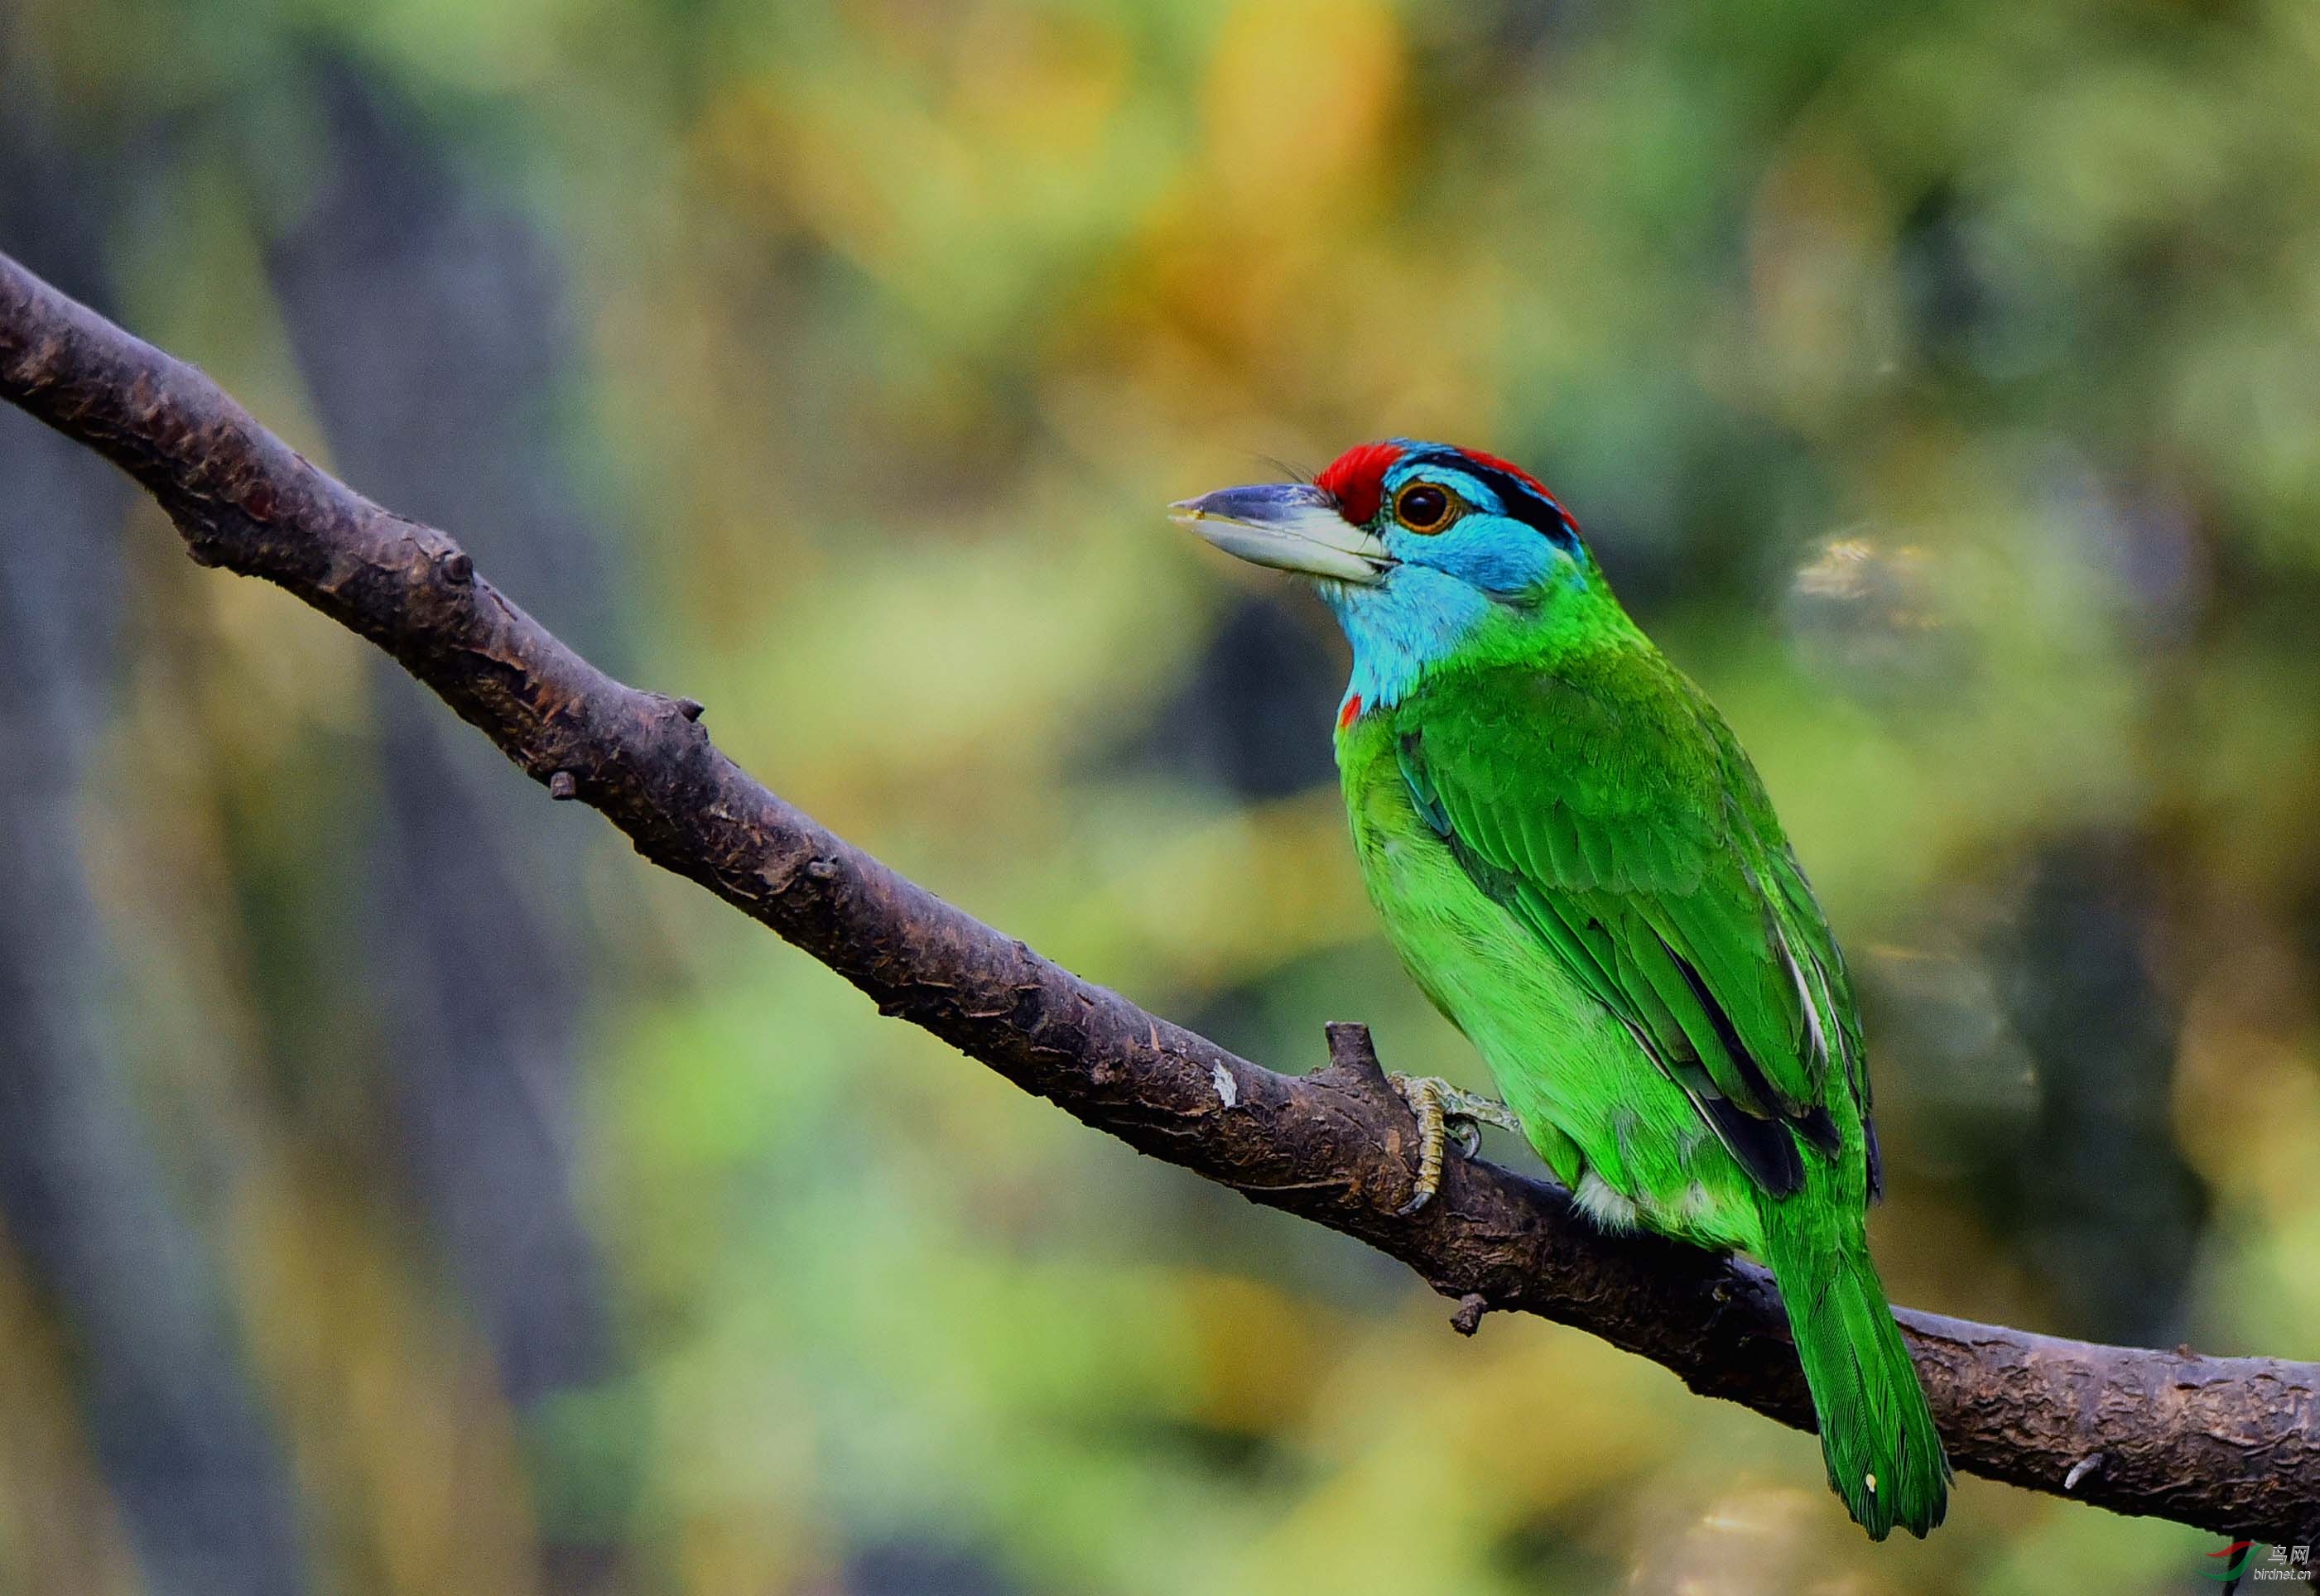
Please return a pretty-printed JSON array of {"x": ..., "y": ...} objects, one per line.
[{"x": 1446, "y": 1112}]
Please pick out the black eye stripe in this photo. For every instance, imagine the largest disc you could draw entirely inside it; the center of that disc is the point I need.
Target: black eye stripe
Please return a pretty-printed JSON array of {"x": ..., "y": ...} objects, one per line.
[{"x": 1522, "y": 501}]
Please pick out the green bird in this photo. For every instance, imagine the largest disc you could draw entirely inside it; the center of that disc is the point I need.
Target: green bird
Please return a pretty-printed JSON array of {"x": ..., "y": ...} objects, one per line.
[{"x": 1580, "y": 867}]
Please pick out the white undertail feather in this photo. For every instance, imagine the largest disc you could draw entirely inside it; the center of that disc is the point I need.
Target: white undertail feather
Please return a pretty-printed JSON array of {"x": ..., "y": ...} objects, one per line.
[{"x": 1605, "y": 1206}]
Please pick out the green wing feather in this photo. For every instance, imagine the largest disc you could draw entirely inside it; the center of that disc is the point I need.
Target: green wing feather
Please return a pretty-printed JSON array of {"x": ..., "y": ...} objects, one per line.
[{"x": 1616, "y": 818}]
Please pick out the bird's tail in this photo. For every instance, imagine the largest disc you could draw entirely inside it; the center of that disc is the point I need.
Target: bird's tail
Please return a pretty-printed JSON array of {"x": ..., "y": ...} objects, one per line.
[{"x": 1877, "y": 1434}]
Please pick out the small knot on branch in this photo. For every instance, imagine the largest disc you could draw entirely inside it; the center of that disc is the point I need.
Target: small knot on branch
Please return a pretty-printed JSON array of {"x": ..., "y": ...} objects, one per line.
[
  {"x": 564, "y": 786},
  {"x": 1469, "y": 1317},
  {"x": 2081, "y": 1470},
  {"x": 457, "y": 567},
  {"x": 690, "y": 708},
  {"x": 1352, "y": 1052}
]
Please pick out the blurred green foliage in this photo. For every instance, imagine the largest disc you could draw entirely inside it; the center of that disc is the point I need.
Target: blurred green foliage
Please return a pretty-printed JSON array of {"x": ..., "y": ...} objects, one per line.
[{"x": 1939, "y": 382}]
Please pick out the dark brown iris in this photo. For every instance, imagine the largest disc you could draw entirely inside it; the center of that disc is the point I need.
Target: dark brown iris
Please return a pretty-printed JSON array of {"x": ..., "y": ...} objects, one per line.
[{"x": 1423, "y": 507}]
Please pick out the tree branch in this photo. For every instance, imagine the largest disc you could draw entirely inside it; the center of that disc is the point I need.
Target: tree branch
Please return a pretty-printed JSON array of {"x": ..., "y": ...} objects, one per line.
[{"x": 2231, "y": 1445}]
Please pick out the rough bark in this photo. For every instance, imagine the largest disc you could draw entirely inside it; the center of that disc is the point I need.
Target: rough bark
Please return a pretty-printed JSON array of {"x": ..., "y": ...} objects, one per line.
[{"x": 2232, "y": 1445}]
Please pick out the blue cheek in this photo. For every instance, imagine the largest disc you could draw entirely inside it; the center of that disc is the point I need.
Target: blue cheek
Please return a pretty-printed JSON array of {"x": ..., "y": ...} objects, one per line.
[{"x": 1490, "y": 552}]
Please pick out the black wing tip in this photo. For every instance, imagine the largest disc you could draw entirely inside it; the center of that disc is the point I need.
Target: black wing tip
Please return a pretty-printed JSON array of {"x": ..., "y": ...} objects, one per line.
[
  {"x": 1819, "y": 1128},
  {"x": 1763, "y": 1147}
]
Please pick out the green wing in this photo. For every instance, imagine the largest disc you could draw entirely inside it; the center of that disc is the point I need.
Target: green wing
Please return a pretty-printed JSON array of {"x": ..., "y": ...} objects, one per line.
[{"x": 1618, "y": 820}]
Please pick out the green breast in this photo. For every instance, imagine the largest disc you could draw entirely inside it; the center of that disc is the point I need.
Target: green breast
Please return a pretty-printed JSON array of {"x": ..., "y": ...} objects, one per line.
[{"x": 1486, "y": 973}]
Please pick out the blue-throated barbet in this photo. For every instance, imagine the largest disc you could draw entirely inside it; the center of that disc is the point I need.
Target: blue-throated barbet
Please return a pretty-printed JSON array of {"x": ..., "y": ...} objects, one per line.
[{"x": 1581, "y": 867}]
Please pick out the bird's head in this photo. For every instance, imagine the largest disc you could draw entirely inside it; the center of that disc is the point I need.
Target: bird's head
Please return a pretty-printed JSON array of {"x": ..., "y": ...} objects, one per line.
[
  {"x": 1383, "y": 509},
  {"x": 1414, "y": 545}
]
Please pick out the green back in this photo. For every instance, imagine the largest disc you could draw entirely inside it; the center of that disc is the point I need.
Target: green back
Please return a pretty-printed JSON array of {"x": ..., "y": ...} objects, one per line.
[{"x": 1589, "y": 787}]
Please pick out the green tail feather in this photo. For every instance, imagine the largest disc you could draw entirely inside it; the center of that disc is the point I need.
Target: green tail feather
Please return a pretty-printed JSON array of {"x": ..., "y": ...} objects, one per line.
[{"x": 1877, "y": 1434}]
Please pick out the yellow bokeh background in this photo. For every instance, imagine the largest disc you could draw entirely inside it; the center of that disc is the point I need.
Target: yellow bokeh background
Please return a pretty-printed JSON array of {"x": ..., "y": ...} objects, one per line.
[{"x": 1936, "y": 382}]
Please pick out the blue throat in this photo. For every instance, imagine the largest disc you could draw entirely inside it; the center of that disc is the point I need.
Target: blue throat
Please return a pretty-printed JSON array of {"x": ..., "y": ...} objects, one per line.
[{"x": 1398, "y": 628}]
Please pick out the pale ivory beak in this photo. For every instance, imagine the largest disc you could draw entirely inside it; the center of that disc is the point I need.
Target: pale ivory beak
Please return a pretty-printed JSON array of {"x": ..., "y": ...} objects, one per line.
[{"x": 1289, "y": 526}]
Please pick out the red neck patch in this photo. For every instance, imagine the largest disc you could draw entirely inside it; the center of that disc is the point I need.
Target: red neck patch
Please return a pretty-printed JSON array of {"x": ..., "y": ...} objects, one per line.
[
  {"x": 1350, "y": 711},
  {"x": 1355, "y": 479}
]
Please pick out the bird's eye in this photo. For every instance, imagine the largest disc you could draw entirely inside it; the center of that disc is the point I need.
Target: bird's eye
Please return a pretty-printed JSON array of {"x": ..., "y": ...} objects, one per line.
[{"x": 1423, "y": 507}]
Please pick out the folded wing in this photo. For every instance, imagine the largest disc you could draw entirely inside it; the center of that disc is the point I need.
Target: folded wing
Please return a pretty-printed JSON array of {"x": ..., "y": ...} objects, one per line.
[{"x": 1627, "y": 832}]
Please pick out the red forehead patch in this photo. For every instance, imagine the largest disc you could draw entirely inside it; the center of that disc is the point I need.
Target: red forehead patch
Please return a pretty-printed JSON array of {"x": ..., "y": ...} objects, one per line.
[{"x": 1357, "y": 479}]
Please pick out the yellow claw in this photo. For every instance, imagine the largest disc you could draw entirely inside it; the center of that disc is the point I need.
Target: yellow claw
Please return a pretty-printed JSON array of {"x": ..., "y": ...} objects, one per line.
[{"x": 1441, "y": 1111}]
